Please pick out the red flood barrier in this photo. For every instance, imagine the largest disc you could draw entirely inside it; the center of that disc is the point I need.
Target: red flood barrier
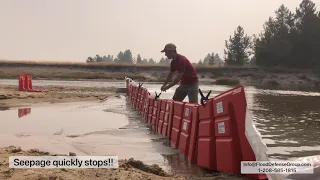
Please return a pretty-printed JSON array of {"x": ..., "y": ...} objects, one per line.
[
  {"x": 156, "y": 107},
  {"x": 138, "y": 100},
  {"x": 141, "y": 99},
  {"x": 150, "y": 111},
  {"x": 206, "y": 143},
  {"x": 25, "y": 84},
  {"x": 146, "y": 106},
  {"x": 232, "y": 146},
  {"x": 22, "y": 82},
  {"x": 189, "y": 118},
  {"x": 137, "y": 95},
  {"x": 154, "y": 111},
  {"x": 176, "y": 123},
  {"x": 167, "y": 118},
  {"x": 162, "y": 112},
  {"x": 133, "y": 97}
]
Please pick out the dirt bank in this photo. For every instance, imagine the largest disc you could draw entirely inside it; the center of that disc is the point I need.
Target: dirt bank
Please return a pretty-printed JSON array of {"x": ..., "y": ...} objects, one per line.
[
  {"x": 281, "y": 78},
  {"x": 10, "y": 96},
  {"x": 128, "y": 169}
]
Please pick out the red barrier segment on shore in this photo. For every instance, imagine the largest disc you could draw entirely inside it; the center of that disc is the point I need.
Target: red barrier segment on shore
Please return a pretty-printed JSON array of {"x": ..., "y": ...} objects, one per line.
[{"x": 25, "y": 84}]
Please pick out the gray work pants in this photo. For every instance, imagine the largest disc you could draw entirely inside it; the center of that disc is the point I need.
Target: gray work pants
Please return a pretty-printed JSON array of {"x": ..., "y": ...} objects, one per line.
[{"x": 190, "y": 90}]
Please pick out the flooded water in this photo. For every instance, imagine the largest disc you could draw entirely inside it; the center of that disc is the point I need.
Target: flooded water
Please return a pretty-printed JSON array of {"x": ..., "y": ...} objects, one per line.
[{"x": 289, "y": 122}]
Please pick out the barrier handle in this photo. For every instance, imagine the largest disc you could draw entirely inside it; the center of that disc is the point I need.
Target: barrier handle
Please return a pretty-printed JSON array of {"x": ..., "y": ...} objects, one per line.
[
  {"x": 204, "y": 98},
  {"x": 140, "y": 84},
  {"x": 157, "y": 95}
]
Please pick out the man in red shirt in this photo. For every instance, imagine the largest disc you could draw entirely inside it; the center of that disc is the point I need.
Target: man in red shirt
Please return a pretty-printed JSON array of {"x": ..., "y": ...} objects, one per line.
[{"x": 187, "y": 76}]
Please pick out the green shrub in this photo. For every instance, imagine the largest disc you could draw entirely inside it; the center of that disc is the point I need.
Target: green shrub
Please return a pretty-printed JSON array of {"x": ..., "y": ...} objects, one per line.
[{"x": 227, "y": 81}]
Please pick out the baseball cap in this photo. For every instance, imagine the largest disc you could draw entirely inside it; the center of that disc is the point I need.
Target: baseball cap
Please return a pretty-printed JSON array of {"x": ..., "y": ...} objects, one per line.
[{"x": 169, "y": 47}]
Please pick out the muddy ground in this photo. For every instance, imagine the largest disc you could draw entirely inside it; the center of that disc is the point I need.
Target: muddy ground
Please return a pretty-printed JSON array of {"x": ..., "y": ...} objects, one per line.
[
  {"x": 129, "y": 169},
  {"x": 10, "y": 96}
]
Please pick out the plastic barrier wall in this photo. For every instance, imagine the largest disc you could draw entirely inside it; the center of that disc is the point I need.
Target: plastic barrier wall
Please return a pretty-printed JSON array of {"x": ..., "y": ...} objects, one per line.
[{"x": 216, "y": 135}]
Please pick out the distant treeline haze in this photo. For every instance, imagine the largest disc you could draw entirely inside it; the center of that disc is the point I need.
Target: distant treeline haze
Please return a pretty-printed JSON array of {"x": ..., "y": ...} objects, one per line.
[
  {"x": 288, "y": 39},
  {"x": 126, "y": 57}
]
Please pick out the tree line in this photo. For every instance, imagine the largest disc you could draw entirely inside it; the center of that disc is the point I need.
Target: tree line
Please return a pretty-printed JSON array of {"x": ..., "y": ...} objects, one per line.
[
  {"x": 126, "y": 57},
  {"x": 288, "y": 39},
  {"x": 122, "y": 57}
]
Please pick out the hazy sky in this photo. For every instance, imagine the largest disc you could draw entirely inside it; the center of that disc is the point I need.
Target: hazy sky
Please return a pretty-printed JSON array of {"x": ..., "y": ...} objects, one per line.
[{"x": 72, "y": 30}]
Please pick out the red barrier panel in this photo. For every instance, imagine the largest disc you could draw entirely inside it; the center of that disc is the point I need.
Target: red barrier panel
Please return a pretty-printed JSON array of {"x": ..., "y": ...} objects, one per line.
[
  {"x": 28, "y": 85},
  {"x": 22, "y": 82},
  {"x": 176, "y": 123},
  {"x": 155, "y": 115},
  {"x": 146, "y": 107},
  {"x": 227, "y": 136},
  {"x": 139, "y": 99},
  {"x": 134, "y": 93},
  {"x": 131, "y": 89},
  {"x": 150, "y": 112},
  {"x": 161, "y": 116},
  {"x": 29, "y": 82},
  {"x": 232, "y": 146},
  {"x": 190, "y": 114},
  {"x": 156, "y": 105},
  {"x": 143, "y": 99},
  {"x": 138, "y": 102},
  {"x": 167, "y": 116},
  {"x": 25, "y": 84},
  {"x": 206, "y": 145},
  {"x": 137, "y": 96}
]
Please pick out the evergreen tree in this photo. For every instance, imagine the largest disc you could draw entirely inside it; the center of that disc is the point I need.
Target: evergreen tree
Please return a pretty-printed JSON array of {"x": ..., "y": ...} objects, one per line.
[{"x": 238, "y": 48}]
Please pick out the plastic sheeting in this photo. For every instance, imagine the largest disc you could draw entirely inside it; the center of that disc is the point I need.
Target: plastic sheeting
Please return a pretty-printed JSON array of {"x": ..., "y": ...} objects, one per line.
[{"x": 258, "y": 146}]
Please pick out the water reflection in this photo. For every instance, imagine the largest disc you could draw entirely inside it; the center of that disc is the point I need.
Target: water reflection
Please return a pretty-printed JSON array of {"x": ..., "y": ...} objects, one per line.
[
  {"x": 23, "y": 112},
  {"x": 290, "y": 125}
]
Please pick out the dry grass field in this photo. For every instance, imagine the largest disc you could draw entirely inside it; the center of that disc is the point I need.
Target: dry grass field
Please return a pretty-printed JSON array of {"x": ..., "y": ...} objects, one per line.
[{"x": 223, "y": 75}]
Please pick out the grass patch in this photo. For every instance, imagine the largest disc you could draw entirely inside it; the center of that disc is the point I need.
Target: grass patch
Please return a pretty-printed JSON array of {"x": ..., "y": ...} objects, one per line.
[{"x": 227, "y": 81}]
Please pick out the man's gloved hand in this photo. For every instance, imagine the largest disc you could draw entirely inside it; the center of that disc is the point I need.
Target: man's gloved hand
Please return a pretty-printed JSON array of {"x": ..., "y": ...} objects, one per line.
[{"x": 164, "y": 88}]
